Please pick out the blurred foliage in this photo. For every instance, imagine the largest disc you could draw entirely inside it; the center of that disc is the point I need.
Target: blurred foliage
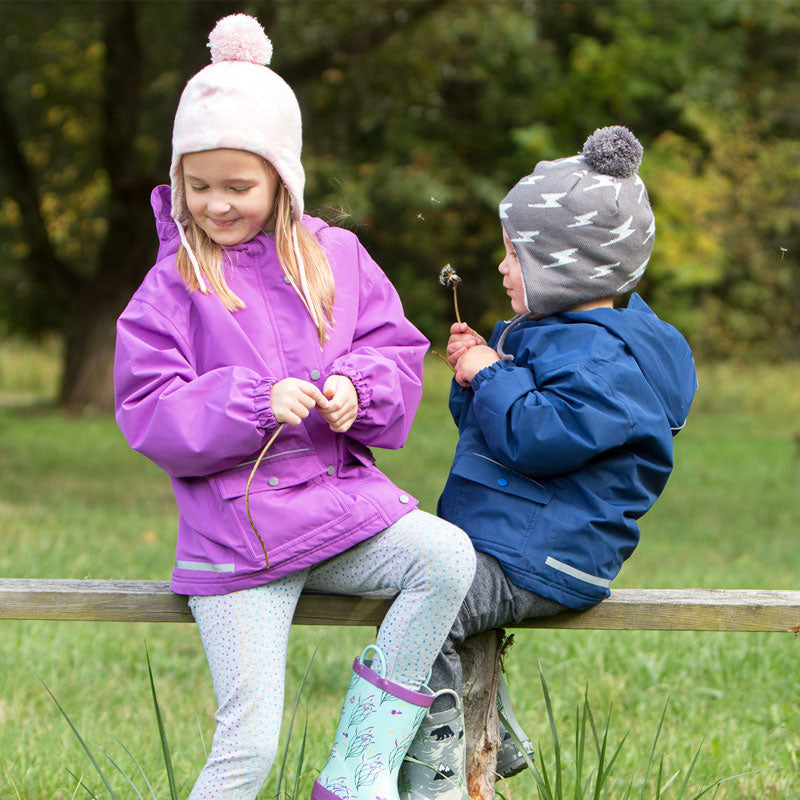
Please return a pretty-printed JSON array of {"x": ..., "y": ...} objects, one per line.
[{"x": 418, "y": 117}]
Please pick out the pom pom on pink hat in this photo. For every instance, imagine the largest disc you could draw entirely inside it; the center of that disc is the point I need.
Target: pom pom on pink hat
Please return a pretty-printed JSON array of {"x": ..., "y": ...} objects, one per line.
[{"x": 239, "y": 37}]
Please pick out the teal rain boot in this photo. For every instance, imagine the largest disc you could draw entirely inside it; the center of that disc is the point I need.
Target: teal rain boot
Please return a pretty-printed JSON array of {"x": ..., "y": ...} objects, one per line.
[
  {"x": 378, "y": 721},
  {"x": 510, "y": 760},
  {"x": 436, "y": 764}
]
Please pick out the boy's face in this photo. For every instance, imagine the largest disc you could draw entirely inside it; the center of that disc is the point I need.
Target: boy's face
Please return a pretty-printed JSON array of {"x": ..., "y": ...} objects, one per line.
[
  {"x": 511, "y": 271},
  {"x": 229, "y": 193}
]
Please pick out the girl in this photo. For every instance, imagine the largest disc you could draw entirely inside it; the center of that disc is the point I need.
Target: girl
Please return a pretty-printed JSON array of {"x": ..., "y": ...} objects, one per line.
[{"x": 260, "y": 356}]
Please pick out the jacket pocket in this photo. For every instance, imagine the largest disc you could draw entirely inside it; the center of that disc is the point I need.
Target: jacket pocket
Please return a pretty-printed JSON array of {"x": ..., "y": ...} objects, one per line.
[
  {"x": 290, "y": 505},
  {"x": 498, "y": 507}
]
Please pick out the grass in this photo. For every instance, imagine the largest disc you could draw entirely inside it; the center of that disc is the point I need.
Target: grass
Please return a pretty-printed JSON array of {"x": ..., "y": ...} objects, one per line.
[{"x": 75, "y": 502}]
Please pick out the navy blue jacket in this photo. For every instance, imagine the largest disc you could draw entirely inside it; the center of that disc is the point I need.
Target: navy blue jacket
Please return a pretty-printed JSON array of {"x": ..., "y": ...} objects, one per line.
[{"x": 561, "y": 450}]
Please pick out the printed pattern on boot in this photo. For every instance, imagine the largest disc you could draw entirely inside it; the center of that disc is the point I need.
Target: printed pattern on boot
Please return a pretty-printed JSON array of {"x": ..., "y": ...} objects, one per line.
[
  {"x": 376, "y": 726},
  {"x": 435, "y": 767}
]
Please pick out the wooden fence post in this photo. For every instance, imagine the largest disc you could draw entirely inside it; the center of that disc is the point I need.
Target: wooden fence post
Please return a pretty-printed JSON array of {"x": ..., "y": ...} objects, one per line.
[{"x": 480, "y": 659}]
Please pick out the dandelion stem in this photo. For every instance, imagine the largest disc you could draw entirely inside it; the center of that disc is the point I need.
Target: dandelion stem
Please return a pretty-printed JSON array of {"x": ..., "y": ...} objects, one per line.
[
  {"x": 455, "y": 302},
  {"x": 439, "y": 355}
]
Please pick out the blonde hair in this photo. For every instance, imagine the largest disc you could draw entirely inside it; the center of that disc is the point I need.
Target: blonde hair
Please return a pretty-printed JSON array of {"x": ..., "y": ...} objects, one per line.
[{"x": 317, "y": 291}]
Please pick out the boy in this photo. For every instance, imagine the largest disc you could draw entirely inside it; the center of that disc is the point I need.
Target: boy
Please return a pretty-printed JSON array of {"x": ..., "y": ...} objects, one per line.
[{"x": 566, "y": 417}]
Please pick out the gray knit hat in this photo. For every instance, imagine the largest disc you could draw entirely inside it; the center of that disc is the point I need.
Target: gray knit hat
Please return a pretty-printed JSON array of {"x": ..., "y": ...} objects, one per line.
[{"x": 582, "y": 226}]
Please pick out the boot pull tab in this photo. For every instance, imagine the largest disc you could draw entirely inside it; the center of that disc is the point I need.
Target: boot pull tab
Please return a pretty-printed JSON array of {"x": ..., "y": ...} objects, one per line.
[{"x": 370, "y": 662}]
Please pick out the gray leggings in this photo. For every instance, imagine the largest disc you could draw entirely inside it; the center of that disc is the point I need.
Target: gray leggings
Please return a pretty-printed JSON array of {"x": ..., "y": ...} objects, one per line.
[{"x": 492, "y": 602}]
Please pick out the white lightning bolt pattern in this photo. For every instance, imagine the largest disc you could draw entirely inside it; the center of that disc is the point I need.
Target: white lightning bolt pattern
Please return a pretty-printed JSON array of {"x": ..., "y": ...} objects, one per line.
[
  {"x": 650, "y": 231},
  {"x": 639, "y": 182},
  {"x": 503, "y": 208},
  {"x": 579, "y": 173},
  {"x": 550, "y": 201},
  {"x": 623, "y": 232},
  {"x": 582, "y": 220},
  {"x": 525, "y": 236},
  {"x": 562, "y": 258},
  {"x": 603, "y": 182},
  {"x": 634, "y": 276},
  {"x": 529, "y": 179},
  {"x": 602, "y": 271},
  {"x": 569, "y": 159}
]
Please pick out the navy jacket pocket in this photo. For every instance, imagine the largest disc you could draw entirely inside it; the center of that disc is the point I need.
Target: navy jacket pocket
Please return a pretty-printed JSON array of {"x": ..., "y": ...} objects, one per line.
[{"x": 498, "y": 507}]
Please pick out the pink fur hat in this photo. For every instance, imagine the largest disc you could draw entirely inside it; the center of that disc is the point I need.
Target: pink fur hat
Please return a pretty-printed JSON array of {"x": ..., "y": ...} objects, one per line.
[{"x": 237, "y": 102}]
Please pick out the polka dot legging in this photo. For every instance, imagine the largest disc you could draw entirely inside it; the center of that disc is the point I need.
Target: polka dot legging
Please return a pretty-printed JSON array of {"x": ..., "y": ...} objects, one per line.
[{"x": 428, "y": 562}]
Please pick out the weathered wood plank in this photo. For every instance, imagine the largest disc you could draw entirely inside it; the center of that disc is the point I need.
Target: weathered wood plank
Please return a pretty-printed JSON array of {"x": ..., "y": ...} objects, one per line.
[{"x": 626, "y": 609}]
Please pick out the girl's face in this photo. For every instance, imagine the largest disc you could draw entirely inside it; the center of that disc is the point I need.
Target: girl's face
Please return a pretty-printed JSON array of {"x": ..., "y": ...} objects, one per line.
[
  {"x": 229, "y": 193},
  {"x": 512, "y": 276}
]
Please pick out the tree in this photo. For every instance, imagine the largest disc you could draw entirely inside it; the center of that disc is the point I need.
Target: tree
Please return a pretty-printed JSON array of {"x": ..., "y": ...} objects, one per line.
[
  {"x": 418, "y": 116},
  {"x": 85, "y": 124}
]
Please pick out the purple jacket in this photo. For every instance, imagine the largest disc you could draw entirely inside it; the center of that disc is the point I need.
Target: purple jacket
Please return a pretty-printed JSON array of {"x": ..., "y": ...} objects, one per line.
[{"x": 193, "y": 381}]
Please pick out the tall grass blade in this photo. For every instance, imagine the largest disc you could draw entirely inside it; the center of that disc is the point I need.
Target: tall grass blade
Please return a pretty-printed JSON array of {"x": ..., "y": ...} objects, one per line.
[
  {"x": 138, "y": 766},
  {"x": 602, "y": 775},
  {"x": 715, "y": 786},
  {"x": 600, "y": 747},
  {"x": 80, "y": 785},
  {"x": 300, "y": 760},
  {"x": 202, "y": 738},
  {"x": 291, "y": 723},
  {"x": 689, "y": 772},
  {"x": 580, "y": 746},
  {"x": 162, "y": 733},
  {"x": 653, "y": 749},
  {"x": 554, "y": 732},
  {"x": 83, "y": 743},
  {"x": 71, "y": 797},
  {"x": 659, "y": 777},
  {"x": 123, "y": 773}
]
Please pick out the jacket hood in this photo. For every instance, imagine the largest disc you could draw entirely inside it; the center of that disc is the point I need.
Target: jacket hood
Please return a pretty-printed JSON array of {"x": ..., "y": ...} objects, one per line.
[
  {"x": 166, "y": 227},
  {"x": 661, "y": 352}
]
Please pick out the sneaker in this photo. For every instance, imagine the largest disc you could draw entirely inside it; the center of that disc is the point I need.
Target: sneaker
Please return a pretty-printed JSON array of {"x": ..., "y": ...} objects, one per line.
[{"x": 510, "y": 759}]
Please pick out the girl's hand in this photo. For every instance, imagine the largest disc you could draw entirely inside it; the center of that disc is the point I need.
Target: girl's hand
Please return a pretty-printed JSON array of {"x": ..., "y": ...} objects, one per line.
[
  {"x": 342, "y": 404},
  {"x": 462, "y": 337},
  {"x": 293, "y": 399},
  {"x": 473, "y": 360}
]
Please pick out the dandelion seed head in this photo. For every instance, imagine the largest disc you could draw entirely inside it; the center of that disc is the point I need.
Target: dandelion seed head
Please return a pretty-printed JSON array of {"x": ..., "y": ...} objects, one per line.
[{"x": 449, "y": 277}]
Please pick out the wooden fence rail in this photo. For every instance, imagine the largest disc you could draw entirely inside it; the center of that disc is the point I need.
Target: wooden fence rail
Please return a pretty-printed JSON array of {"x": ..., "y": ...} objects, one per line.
[{"x": 626, "y": 609}]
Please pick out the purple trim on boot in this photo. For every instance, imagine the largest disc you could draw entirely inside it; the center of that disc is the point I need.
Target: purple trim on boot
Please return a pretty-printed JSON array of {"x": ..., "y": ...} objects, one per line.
[
  {"x": 395, "y": 689},
  {"x": 319, "y": 792}
]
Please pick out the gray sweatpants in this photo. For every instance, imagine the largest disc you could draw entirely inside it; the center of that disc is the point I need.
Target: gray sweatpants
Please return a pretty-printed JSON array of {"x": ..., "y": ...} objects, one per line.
[{"x": 492, "y": 602}]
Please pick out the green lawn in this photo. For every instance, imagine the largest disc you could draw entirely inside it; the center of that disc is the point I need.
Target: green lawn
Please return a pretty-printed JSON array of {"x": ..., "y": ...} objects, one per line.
[{"x": 75, "y": 502}]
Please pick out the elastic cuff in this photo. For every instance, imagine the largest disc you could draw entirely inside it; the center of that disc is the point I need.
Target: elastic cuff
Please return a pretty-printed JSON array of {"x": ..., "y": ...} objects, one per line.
[
  {"x": 363, "y": 389},
  {"x": 487, "y": 373},
  {"x": 262, "y": 404}
]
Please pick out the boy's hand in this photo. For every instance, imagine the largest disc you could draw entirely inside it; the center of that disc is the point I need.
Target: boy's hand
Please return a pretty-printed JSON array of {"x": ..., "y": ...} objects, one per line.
[
  {"x": 462, "y": 337},
  {"x": 342, "y": 408},
  {"x": 473, "y": 360},
  {"x": 293, "y": 399}
]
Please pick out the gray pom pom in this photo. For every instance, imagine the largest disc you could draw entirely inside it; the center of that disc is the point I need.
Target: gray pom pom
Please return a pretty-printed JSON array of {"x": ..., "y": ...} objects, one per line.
[{"x": 613, "y": 151}]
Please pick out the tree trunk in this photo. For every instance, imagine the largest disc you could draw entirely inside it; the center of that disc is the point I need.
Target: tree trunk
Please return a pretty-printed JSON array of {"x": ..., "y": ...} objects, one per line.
[
  {"x": 480, "y": 658},
  {"x": 128, "y": 252},
  {"x": 87, "y": 380}
]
